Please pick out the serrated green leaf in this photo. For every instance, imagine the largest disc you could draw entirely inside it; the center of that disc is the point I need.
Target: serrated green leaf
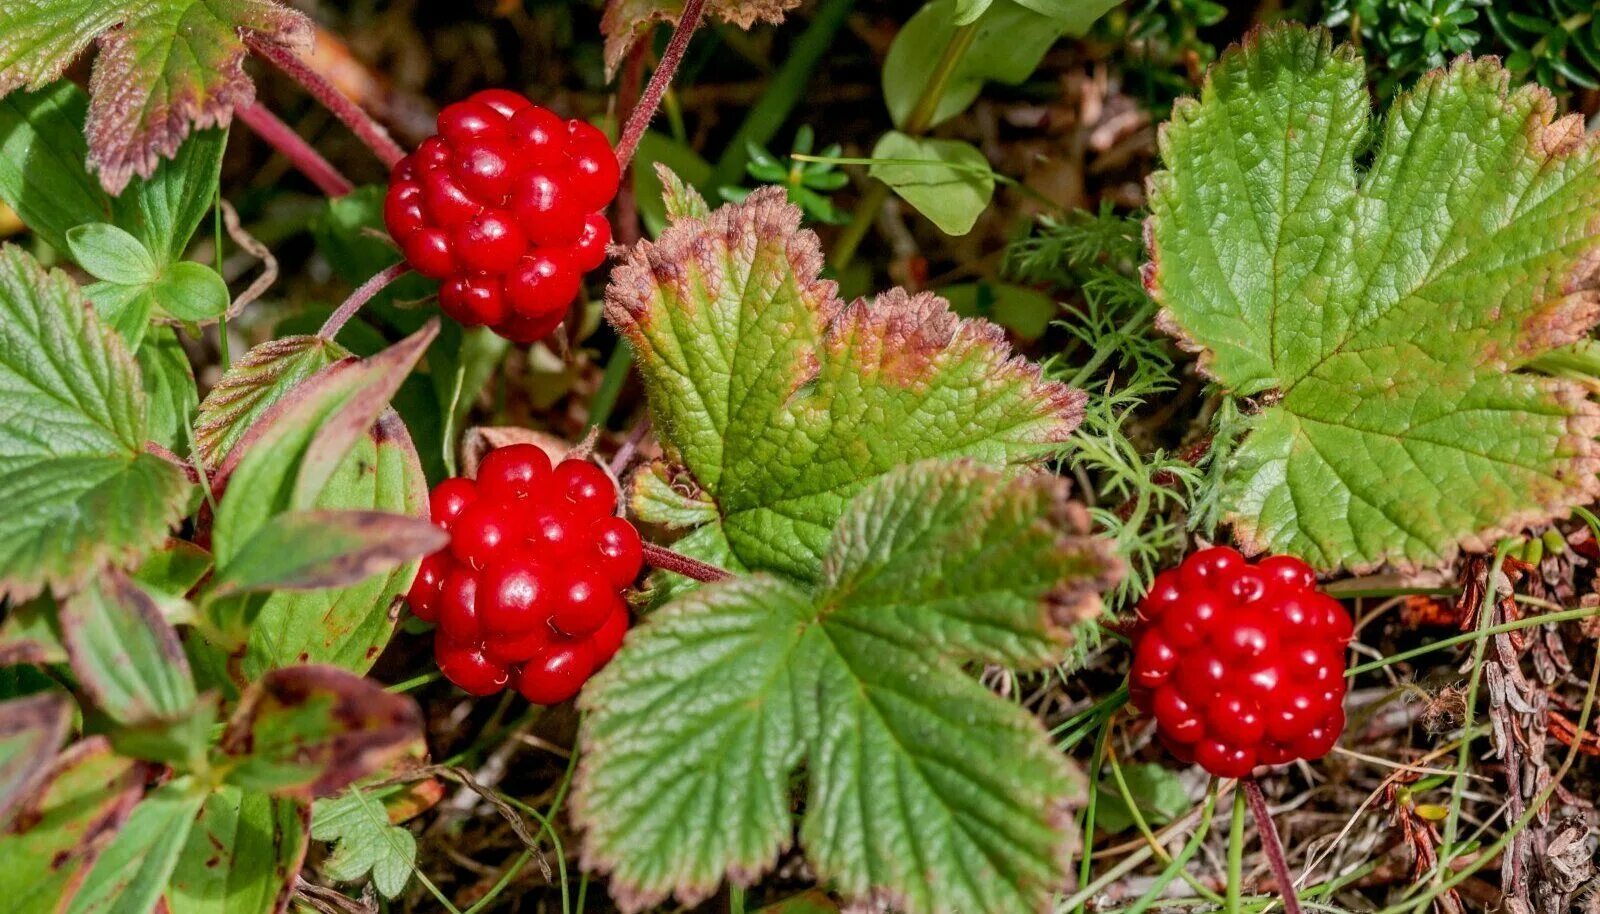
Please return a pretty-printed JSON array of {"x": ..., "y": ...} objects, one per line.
[
  {"x": 130, "y": 874},
  {"x": 626, "y": 21},
  {"x": 111, "y": 254},
  {"x": 1383, "y": 316},
  {"x": 163, "y": 67},
  {"x": 252, "y": 385},
  {"x": 79, "y": 489},
  {"x": 952, "y": 190},
  {"x": 308, "y": 731},
  {"x": 31, "y": 730},
  {"x": 125, "y": 655},
  {"x": 932, "y": 566},
  {"x": 655, "y": 498},
  {"x": 366, "y": 843},
  {"x": 44, "y": 175},
  {"x": 169, "y": 388},
  {"x": 784, "y": 402},
  {"x": 242, "y": 855},
  {"x": 57, "y": 836}
]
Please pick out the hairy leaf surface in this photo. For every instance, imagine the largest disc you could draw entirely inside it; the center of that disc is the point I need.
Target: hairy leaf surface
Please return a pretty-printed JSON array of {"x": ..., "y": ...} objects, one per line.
[
  {"x": 924, "y": 787},
  {"x": 1382, "y": 315}
]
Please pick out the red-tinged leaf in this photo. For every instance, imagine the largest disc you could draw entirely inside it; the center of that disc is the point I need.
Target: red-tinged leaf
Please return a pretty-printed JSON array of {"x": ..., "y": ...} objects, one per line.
[
  {"x": 165, "y": 67},
  {"x": 309, "y": 731},
  {"x": 627, "y": 21},
  {"x": 31, "y": 730},
  {"x": 57, "y": 835},
  {"x": 124, "y": 653},
  {"x": 311, "y": 550},
  {"x": 252, "y": 385}
]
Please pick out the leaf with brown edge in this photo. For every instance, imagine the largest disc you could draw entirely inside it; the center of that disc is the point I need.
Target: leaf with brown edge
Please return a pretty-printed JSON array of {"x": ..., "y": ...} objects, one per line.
[
  {"x": 165, "y": 67},
  {"x": 922, "y": 785},
  {"x": 309, "y": 731},
  {"x": 243, "y": 855},
  {"x": 79, "y": 490},
  {"x": 783, "y": 401},
  {"x": 55, "y": 838},
  {"x": 1385, "y": 313},
  {"x": 31, "y": 730},
  {"x": 124, "y": 653},
  {"x": 627, "y": 21},
  {"x": 252, "y": 385},
  {"x": 313, "y": 550}
]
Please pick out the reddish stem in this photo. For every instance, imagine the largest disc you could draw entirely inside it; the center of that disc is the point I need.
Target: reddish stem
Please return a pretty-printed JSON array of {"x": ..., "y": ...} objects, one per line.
[
  {"x": 1271, "y": 844},
  {"x": 359, "y": 297},
  {"x": 365, "y": 128},
  {"x": 299, "y": 153},
  {"x": 678, "y": 563},
  {"x": 639, "y": 118},
  {"x": 156, "y": 450},
  {"x": 623, "y": 458}
]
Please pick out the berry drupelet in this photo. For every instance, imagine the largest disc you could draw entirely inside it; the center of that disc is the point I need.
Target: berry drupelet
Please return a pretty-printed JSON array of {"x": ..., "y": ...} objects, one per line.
[
  {"x": 1241, "y": 664},
  {"x": 502, "y": 206},
  {"x": 529, "y": 591}
]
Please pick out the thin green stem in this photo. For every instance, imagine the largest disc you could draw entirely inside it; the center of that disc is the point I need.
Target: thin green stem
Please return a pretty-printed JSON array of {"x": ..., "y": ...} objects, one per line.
[
  {"x": 222, "y": 321},
  {"x": 1235, "y": 855},
  {"x": 1179, "y": 865},
  {"x": 1150, "y": 835},
  {"x": 1567, "y": 615},
  {"x": 616, "y": 374},
  {"x": 415, "y": 682},
  {"x": 1086, "y": 865}
]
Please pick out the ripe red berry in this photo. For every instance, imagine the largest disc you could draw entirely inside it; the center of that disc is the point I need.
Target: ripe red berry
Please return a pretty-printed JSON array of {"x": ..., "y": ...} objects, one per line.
[
  {"x": 1241, "y": 664},
  {"x": 502, "y": 206},
  {"x": 529, "y": 591}
]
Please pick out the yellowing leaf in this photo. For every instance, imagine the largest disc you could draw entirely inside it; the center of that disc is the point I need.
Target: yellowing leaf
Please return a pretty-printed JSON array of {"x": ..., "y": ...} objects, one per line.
[{"x": 1382, "y": 316}]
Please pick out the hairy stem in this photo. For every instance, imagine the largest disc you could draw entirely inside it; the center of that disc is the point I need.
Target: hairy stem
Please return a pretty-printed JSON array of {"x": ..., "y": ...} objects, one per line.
[
  {"x": 678, "y": 563},
  {"x": 365, "y": 128},
  {"x": 359, "y": 297},
  {"x": 643, "y": 112},
  {"x": 1271, "y": 844},
  {"x": 301, "y": 155}
]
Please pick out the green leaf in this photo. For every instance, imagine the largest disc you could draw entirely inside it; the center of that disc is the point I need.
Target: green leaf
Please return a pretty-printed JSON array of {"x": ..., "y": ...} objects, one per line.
[
  {"x": 308, "y": 731},
  {"x": 131, "y": 873},
  {"x": 111, "y": 254},
  {"x": 1382, "y": 317},
  {"x": 312, "y": 550},
  {"x": 923, "y": 787},
  {"x": 163, "y": 67},
  {"x": 169, "y": 388},
  {"x": 252, "y": 385},
  {"x": 191, "y": 291},
  {"x": 45, "y": 178},
  {"x": 125, "y": 309},
  {"x": 30, "y": 634},
  {"x": 813, "y": 901},
  {"x": 1024, "y": 311},
  {"x": 79, "y": 490},
  {"x": 242, "y": 855},
  {"x": 1074, "y": 16},
  {"x": 1008, "y": 42},
  {"x": 31, "y": 730},
  {"x": 658, "y": 498},
  {"x": 783, "y": 402},
  {"x": 626, "y": 21},
  {"x": 53, "y": 842},
  {"x": 125, "y": 655},
  {"x": 952, "y": 190},
  {"x": 366, "y": 842},
  {"x": 1155, "y": 788}
]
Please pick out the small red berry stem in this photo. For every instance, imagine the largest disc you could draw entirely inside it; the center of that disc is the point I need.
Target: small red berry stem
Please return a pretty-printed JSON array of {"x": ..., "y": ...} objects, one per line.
[
  {"x": 1271, "y": 844},
  {"x": 623, "y": 458},
  {"x": 643, "y": 112},
  {"x": 365, "y": 128},
  {"x": 308, "y": 161},
  {"x": 678, "y": 563},
  {"x": 359, "y": 297}
]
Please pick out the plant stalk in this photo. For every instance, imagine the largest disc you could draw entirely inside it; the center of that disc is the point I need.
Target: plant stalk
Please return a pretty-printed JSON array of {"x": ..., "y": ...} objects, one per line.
[
  {"x": 678, "y": 563},
  {"x": 307, "y": 160},
  {"x": 359, "y": 297},
  {"x": 369, "y": 131},
  {"x": 643, "y": 112},
  {"x": 1235, "y": 855},
  {"x": 1271, "y": 844}
]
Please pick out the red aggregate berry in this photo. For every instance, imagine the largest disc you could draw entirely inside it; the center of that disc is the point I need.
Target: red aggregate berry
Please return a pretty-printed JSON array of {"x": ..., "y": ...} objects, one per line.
[
  {"x": 502, "y": 206},
  {"x": 1241, "y": 664},
  {"x": 529, "y": 592}
]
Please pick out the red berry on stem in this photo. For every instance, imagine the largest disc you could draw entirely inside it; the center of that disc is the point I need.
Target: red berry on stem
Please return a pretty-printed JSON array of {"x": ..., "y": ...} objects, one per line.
[
  {"x": 462, "y": 122},
  {"x": 556, "y": 673},
  {"x": 467, "y": 666},
  {"x": 518, "y": 592},
  {"x": 621, "y": 551},
  {"x": 545, "y": 207},
  {"x": 505, "y": 101},
  {"x": 473, "y": 299},
  {"x": 540, "y": 135},
  {"x": 587, "y": 488},
  {"x": 484, "y": 169},
  {"x": 543, "y": 284},
  {"x": 513, "y": 471},
  {"x": 458, "y": 609},
  {"x": 423, "y": 597},
  {"x": 490, "y": 241},
  {"x": 589, "y": 251},
  {"x": 430, "y": 253},
  {"x": 607, "y": 639},
  {"x": 447, "y": 203},
  {"x": 482, "y": 532},
  {"x": 449, "y": 498},
  {"x": 583, "y": 602},
  {"x": 1241, "y": 663}
]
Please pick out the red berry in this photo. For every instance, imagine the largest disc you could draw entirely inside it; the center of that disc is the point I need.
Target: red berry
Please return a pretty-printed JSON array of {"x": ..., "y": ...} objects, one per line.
[
  {"x": 513, "y": 471},
  {"x": 556, "y": 673},
  {"x": 521, "y": 648},
  {"x": 583, "y": 602},
  {"x": 607, "y": 639},
  {"x": 484, "y": 530},
  {"x": 1241, "y": 663},
  {"x": 458, "y": 607},
  {"x": 423, "y": 597},
  {"x": 518, "y": 595},
  {"x": 552, "y": 530},
  {"x": 469, "y": 668},
  {"x": 501, "y": 206},
  {"x": 449, "y": 498},
  {"x": 621, "y": 552},
  {"x": 587, "y": 487}
]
